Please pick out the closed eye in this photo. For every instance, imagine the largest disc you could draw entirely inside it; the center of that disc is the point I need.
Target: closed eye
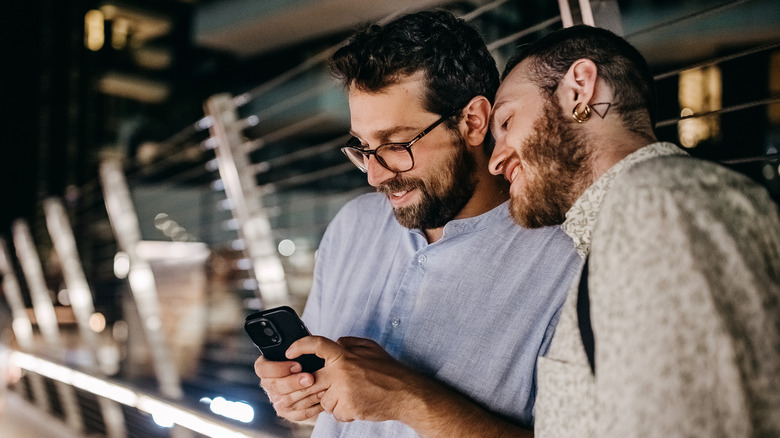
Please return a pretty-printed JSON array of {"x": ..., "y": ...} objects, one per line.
[{"x": 505, "y": 125}]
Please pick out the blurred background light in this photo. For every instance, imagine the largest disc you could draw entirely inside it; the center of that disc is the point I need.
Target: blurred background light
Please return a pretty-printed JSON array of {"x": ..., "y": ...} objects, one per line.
[
  {"x": 121, "y": 265},
  {"x": 94, "y": 33},
  {"x": 286, "y": 247}
]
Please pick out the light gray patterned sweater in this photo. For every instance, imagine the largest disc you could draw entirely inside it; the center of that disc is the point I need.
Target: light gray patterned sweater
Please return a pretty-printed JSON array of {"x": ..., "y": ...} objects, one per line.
[{"x": 685, "y": 306}]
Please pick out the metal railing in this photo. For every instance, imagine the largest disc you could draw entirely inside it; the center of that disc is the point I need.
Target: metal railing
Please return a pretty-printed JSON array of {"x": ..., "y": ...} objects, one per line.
[{"x": 252, "y": 184}]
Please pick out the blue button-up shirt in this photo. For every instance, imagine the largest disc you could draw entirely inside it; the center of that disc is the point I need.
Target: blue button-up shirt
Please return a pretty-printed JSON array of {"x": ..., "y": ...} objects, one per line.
[{"x": 473, "y": 309}]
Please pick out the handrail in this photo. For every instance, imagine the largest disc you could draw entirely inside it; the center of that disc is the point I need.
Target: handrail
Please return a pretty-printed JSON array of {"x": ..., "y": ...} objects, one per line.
[{"x": 164, "y": 410}]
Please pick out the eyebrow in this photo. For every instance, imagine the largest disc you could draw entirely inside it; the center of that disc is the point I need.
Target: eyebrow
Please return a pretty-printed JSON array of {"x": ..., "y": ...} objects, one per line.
[
  {"x": 384, "y": 134},
  {"x": 496, "y": 107}
]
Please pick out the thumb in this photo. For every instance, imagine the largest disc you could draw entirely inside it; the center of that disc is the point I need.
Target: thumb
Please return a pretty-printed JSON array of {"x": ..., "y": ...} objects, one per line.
[{"x": 317, "y": 345}]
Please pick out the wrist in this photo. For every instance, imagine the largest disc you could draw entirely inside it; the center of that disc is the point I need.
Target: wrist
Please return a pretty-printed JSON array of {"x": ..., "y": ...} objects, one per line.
[
  {"x": 434, "y": 410},
  {"x": 431, "y": 408}
]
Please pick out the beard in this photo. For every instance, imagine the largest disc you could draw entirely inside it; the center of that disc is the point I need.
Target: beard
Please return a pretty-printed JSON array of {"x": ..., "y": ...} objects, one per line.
[
  {"x": 443, "y": 193},
  {"x": 556, "y": 167}
]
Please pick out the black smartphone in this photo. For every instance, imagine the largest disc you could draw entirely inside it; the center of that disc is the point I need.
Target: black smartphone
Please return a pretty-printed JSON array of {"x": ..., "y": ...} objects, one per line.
[{"x": 274, "y": 330}]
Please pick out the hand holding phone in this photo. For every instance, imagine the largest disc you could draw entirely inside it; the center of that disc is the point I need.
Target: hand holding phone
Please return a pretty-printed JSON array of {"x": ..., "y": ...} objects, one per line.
[{"x": 274, "y": 330}]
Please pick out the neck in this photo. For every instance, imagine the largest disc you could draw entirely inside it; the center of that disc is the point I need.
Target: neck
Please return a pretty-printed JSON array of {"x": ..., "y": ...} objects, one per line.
[
  {"x": 489, "y": 193},
  {"x": 617, "y": 145}
]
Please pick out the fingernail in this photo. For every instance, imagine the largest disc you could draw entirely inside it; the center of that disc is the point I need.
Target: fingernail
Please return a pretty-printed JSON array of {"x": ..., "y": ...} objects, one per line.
[
  {"x": 306, "y": 380},
  {"x": 296, "y": 368}
]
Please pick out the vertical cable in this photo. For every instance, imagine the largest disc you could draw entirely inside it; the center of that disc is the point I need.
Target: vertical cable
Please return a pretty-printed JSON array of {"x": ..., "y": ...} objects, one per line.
[
  {"x": 566, "y": 17},
  {"x": 587, "y": 13}
]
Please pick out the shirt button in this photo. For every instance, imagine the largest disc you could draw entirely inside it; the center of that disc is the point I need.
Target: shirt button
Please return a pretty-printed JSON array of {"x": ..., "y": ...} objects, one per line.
[
  {"x": 421, "y": 259},
  {"x": 395, "y": 322}
]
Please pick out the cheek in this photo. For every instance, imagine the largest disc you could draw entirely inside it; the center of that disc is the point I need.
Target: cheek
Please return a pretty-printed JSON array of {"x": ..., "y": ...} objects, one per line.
[
  {"x": 529, "y": 179},
  {"x": 518, "y": 135},
  {"x": 515, "y": 147}
]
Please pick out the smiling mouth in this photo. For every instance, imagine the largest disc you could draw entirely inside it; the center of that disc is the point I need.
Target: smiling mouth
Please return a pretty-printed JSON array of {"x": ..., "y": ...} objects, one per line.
[
  {"x": 399, "y": 191},
  {"x": 399, "y": 198}
]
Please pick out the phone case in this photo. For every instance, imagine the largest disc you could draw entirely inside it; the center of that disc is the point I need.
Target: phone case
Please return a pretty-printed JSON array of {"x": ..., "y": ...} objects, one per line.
[{"x": 274, "y": 330}]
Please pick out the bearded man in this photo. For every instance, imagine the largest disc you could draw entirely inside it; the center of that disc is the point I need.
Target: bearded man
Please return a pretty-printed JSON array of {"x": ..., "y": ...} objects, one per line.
[
  {"x": 673, "y": 330},
  {"x": 438, "y": 325}
]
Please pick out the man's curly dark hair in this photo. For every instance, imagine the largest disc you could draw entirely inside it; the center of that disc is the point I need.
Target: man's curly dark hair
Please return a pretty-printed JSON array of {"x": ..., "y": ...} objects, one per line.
[{"x": 452, "y": 55}]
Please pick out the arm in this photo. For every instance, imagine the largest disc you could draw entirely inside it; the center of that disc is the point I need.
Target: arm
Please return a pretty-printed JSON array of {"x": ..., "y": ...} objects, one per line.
[
  {"x": 680, "y": 273},
  {"x": 363, "y": 382}
]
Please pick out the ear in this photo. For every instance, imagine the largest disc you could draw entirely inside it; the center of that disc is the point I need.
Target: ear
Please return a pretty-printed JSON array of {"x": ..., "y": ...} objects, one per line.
[
  {"x": 579, "y": 84},
  {"x": 476, "y": 118}
]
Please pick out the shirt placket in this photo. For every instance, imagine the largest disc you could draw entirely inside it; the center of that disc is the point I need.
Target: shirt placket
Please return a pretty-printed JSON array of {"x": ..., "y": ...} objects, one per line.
[{"x": 403, "y": 306}]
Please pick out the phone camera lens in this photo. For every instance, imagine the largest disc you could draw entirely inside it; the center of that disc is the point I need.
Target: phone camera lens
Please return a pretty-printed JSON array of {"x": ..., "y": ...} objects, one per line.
[{"x": 268, "y": 331}]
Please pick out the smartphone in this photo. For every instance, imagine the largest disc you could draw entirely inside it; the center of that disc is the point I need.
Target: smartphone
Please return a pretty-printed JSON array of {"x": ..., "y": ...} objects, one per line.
[{"x": 274, "y": 330}]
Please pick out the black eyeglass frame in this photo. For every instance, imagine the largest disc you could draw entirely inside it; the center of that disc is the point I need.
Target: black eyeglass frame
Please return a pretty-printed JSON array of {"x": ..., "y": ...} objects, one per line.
[{"x": 366, "y": 153}]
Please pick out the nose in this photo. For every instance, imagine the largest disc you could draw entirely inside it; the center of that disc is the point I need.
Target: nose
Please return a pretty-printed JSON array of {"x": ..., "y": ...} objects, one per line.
[
  {"x": 377, "y": 173},
  {"x": 498, "y": 157}
]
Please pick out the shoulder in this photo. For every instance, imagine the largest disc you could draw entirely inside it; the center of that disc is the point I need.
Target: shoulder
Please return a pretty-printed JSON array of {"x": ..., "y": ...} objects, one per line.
[
  {"x": 674, "y": 172},
  {"x": 693, "y": 185},
  {"x": 679, "y": 214},
  {"x": 546, "y": 246}
]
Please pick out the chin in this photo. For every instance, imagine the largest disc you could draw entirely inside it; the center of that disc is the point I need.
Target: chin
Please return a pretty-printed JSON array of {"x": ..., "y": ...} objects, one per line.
[{"x": 530, "y": 217}]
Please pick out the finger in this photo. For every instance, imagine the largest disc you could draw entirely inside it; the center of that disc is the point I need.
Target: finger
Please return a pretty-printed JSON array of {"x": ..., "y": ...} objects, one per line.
[
  {"x": 296, "y": 399},
  {"x": 351, "y": 341},
  {"x": 304, "y": 403},
  {"x": 322, "y": 347},
  {"x": 301, "y": 415},
  {"x": 276, "y": 387},
  {"x": 363, "y": 347},
  {"x": 265, "y": 368}
]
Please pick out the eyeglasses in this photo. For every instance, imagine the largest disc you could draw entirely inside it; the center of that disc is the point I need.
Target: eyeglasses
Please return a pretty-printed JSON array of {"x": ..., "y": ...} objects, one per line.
[{"x": 396, "y": 157}]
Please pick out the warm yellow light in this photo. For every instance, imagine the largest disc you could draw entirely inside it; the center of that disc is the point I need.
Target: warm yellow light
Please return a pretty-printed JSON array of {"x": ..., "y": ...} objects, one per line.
[
  {"x": 700, "y": 91},
  {"x": 119, "y": 32},
  {"x": 773, "y": 110},
  {"x": 97, "y": 322},
  {"x": 110, "y": 11},
  {"x": 94, "y": 35}
]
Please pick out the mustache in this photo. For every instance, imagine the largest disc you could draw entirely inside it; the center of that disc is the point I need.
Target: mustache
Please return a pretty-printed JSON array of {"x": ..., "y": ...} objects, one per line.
[{"x": 399, "y": 184}]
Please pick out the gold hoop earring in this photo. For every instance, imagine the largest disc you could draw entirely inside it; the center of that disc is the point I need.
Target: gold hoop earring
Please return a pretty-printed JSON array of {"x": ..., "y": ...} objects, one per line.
[{"x": 581, "y": 116}]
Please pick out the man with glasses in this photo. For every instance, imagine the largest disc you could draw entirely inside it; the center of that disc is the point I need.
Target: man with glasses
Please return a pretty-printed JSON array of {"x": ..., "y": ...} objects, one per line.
[{"x": 439, "y": 303}]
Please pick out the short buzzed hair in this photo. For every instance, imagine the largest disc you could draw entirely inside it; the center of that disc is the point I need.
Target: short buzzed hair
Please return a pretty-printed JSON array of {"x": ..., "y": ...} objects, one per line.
[{"x": 620, "y": 65}]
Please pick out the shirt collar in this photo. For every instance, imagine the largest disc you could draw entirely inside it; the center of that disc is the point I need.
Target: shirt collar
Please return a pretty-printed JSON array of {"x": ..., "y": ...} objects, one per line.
[
  {"x": 475, "y": 223},
  {"x": 581, "y": 217}
]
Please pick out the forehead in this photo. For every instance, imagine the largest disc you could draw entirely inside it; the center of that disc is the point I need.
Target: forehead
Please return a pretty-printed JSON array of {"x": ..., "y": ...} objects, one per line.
[
  {"x": 517, "y": 80},
  {"x": 397, "y": 104},
  {"x": 516, "y": 88}
]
